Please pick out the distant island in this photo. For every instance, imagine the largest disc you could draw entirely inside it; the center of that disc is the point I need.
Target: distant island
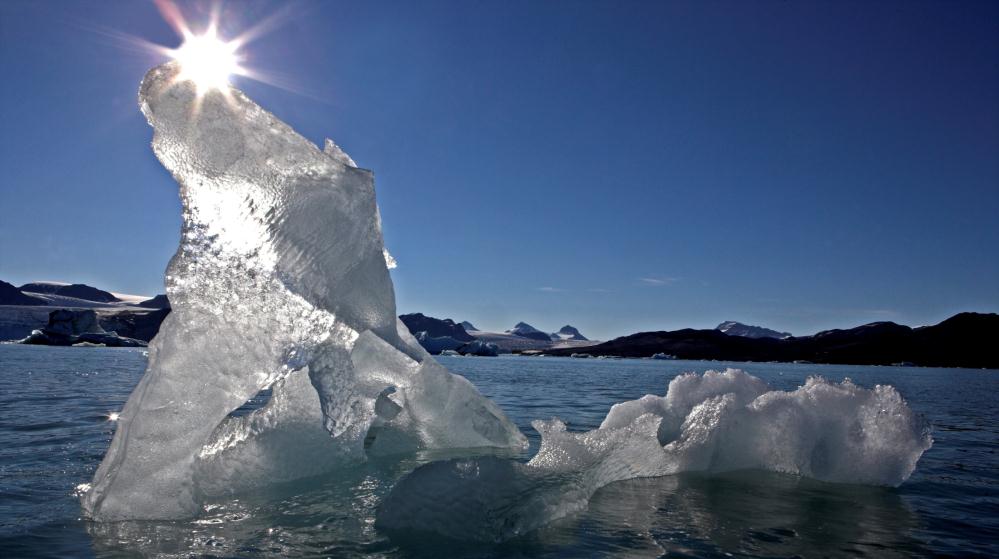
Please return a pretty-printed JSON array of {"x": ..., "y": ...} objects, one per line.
[
  {"x": 963, "y": 340},
  {"x": 56, "y": 313}
]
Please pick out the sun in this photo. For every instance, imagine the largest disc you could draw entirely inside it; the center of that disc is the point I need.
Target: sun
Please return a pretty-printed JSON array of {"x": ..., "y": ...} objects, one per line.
[{"x": 207, "y": 60}]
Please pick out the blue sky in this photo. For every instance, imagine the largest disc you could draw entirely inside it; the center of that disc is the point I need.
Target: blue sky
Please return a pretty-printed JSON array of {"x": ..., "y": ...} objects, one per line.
[{"x": 620, "y": 166}]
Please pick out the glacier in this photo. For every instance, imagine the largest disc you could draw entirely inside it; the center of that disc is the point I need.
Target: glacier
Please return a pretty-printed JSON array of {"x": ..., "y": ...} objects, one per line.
[
  {"x": 280, "y": 281},
  {"x": 713, "y": 422}
]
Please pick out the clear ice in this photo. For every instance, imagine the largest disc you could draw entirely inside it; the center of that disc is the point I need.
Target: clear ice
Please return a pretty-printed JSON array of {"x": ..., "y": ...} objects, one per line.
[
  {"x": 280, "y": 281},
  {"x": 718, "y": 421}
]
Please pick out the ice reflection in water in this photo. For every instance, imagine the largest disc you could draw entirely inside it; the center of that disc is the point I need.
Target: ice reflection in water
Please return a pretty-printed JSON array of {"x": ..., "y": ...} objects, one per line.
[
  {"x": 745, "y": 513},
  {"x": 948, "y": 507},
  {"x": 753, "y": 513},
  {"x": 330, "y": 514}
]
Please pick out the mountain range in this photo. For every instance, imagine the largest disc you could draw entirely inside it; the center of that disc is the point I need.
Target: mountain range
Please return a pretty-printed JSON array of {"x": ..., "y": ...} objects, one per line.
[
  {"x": 435, "y": 327},
  {"x": 436, "y": 334},
  {"x": 29, "y": 307},
  {"x": 963, "y": 340}
]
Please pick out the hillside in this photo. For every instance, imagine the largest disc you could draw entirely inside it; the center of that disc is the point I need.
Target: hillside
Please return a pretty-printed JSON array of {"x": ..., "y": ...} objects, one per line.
[{"x": 964, "y": 340}]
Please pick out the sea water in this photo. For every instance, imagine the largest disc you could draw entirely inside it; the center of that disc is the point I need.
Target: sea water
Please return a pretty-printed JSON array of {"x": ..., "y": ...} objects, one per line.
[{"x": 57, "y": 410}]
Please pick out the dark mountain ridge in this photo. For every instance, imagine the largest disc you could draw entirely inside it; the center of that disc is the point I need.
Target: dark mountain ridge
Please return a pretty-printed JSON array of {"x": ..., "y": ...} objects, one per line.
[
  {"x": 10, "y": 295},
  {"x": 435, "y": 327},
  {"x": 569, "y": 332},
  {"x": 964, "y": 340},
  {"x": 733, "y": 328},
  {"x": 76, "y": 290},
  {"x": 157, "y": 302},
  {"x": 525, "y": 330}
]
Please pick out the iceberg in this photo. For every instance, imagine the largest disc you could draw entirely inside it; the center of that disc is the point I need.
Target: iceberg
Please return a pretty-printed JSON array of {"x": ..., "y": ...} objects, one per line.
[
  {"x": 437, "y": 345},
  {"x": 280, "y": 282},
  {"x": 715, "y": 422},
  {"x": 480, "y": 348}
]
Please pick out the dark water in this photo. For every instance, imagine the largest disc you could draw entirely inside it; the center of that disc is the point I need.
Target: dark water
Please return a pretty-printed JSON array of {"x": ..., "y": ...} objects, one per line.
[{"x": 55, "y": 405}]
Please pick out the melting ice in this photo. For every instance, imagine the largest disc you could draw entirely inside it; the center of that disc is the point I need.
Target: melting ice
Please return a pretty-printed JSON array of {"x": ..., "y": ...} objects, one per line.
[
  {"x": 280, "y": 281},
  {"x": 714, "y": 422}
]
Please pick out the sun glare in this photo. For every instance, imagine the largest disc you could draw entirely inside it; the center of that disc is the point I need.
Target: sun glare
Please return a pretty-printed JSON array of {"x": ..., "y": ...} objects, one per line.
[{"x": 207, "y": 60}]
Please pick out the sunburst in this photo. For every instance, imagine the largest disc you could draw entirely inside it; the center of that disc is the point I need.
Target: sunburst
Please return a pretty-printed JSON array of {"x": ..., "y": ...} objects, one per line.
[{"x": 207, "y": 60}]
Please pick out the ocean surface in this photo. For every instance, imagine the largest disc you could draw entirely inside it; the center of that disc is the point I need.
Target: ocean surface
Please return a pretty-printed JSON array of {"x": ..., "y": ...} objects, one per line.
[{"x": 57, "y": 405}]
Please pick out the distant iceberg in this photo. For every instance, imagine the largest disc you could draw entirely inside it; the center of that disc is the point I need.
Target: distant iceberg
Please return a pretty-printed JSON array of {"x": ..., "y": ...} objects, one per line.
[
  {"x": 437, "y": 345},
  {"x": 78, "y": 328},
  {"x": 480, "y": 348}
]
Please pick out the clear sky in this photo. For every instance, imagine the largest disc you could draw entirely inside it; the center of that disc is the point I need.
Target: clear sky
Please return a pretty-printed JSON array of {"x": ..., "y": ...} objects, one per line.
[{"x": 620, "y": 166}]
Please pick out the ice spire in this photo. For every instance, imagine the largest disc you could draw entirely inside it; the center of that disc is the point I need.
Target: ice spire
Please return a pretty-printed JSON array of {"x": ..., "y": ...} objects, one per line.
[{"x": 280, "y": 281}]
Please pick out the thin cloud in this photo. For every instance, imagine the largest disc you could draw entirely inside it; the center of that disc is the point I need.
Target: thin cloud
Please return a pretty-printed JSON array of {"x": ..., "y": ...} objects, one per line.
[
  {"x": 657, "y": 282},
  {"x": 549, "y": 289}
]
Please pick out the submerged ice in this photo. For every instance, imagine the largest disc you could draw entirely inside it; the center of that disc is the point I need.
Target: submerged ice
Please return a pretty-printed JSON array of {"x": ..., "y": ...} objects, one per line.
[
  {"x": 718, "y": 421},
  {"x": 280, "y": 281}
]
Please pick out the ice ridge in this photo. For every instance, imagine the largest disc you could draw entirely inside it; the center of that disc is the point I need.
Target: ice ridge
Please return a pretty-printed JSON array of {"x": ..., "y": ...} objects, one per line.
[{"x": 715, "y": 422}]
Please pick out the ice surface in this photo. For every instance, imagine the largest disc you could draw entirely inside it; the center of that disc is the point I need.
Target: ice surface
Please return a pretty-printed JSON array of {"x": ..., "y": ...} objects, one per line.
[
  {"x": 718, "y": 421},
  {"x": 280, "y": 281}
]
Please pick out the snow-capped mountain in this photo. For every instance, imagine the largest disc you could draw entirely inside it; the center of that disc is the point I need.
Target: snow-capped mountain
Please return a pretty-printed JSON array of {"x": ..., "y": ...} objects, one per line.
[
  {"x": 76, "y": 291},
  {"x": 525, "y": 330},
  {"x": 568, "y": 332},
  {"x": 468, "y": 326},
  {"x": 435, "y": 327},
  {"x": 733, "y": 328}
]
